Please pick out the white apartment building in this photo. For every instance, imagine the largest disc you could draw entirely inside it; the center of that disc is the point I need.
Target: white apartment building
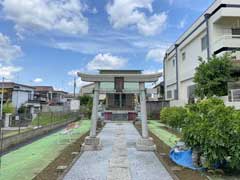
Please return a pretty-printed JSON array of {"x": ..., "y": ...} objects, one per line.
[{"x": 216, "y": 31}]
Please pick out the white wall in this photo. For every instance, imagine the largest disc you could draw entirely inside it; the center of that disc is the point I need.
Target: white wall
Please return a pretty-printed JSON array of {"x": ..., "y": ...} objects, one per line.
[
  {"x": 21, "y": 96},
  {"x": 74, "y": 105},
  {"x": 220, "y": 24},
  {"x": 170, "y": 71}
]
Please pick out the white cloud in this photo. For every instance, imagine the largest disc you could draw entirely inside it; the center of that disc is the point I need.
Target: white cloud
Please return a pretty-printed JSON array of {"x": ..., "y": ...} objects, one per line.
[
  {"x": 106, "y": 61},
  {"x": 156, "y": 54},
  {"x": 79, "y": 83},
  {"x": 182, "y": 23},
  {"x": 124, "y": 13},
  {"x": 9, "y": 71},
  {"x": 38, "y": 80},
  {"x": 94, "y": 11},
  {"x": 73, "y": 72},
  {"x": 8, "y": 51},
  {"x": 65, "y": 16},
  {"x": 152, "y": 71}
]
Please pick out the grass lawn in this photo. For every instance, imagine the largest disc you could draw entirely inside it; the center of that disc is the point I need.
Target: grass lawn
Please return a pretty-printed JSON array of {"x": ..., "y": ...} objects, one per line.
[
  {"x": 25, "y": 163},
  {"x": 167, "y": 137}
]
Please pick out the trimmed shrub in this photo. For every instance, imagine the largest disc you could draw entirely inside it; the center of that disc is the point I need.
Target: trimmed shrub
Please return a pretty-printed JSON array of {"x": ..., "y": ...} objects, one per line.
[
  {"x": 173, "y": 116},
  {"x": 214, "y": 129}
]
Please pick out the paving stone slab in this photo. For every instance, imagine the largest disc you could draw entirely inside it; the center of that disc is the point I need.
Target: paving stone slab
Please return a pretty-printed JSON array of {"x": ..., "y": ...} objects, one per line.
[{"x": 96, "y": 165}]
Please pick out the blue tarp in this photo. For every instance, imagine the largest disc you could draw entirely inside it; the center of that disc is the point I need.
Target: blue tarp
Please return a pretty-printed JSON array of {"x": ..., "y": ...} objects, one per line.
[{"x": 183, "y": 158}]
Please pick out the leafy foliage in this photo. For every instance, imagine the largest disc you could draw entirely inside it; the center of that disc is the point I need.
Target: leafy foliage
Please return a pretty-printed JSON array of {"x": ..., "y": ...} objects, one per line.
[
  {"x": 215, "y": 130},
  {"x": 86, "y": 105},
  {"x": 173, "y": 116},
  {"x": 85, "y": 100},
  {"x": 211, "y": 77},
  {"x": 8, "y": 108}
]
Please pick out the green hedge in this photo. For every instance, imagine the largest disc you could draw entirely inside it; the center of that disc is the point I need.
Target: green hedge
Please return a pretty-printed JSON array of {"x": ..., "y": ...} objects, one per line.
[
  {"x": 215, "y": 130},
  {"x": 173, "y": 116}
]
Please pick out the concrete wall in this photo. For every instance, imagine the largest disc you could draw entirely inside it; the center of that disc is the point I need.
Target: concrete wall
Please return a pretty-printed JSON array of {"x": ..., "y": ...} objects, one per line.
[{"x": 12, "y": 141}]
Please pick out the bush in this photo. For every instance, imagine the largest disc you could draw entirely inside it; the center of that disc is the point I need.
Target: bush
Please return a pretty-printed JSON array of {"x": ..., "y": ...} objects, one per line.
[
  {"x": 173, "y": 116},
  {"x": 8, "y": 108},
  {"x": 212, "y": 76},
  {"x": 215, "y": 130}
]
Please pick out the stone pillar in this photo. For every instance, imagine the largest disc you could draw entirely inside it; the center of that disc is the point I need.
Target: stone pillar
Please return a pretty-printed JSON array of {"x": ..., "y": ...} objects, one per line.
[
  {"x": 7, "y": 120},
  {"x": 94, "y": 116},
  {"x": 143, "y": 111},
  {"x": 144, "y": 143},
  {"x": 92, "y": 142}
]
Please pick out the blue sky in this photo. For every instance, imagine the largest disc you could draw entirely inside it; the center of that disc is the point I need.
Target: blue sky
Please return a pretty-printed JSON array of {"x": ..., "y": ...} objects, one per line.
[{"x": 44, "y": 42}]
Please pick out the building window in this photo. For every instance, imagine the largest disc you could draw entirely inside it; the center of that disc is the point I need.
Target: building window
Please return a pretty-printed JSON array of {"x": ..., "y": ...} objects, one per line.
[
  {"x": 116, "y": 100},
  {"x": 204, "y": 41},
  {"x": 191, "y": 94},
  {"x": 174, "y": 62},
  {"x": 236, "y": 33},
  {"x": 183, "y": 56},
  {"x": 119, "y": 84},
  {"x": 175, "y": 94},
  {"x": 169, "y": 94}
]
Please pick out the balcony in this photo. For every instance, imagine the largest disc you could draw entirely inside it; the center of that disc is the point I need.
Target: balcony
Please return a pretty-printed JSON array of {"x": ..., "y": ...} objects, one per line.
[{"x": 226, "y": 41}]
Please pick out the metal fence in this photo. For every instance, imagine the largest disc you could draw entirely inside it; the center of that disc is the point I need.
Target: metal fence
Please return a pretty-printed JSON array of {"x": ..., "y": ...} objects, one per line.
[
  {"x": 154, "y": 108},
  {"x": 26, "y": 122}
]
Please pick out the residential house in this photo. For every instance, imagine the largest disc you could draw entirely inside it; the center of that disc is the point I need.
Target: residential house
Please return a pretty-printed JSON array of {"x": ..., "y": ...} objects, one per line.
[
  {"x": 215, "y": 32},
  {"x": 17, "y": 94},
  {"x": 43, "y": 94}
]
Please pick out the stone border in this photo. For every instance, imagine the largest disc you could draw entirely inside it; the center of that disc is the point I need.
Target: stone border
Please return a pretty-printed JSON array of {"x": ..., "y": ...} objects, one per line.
[{"x": 15, "y": 140}]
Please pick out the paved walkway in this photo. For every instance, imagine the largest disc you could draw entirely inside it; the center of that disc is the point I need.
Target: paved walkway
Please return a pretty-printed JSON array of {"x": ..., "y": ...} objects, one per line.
[{"x": 118, "y": 160}]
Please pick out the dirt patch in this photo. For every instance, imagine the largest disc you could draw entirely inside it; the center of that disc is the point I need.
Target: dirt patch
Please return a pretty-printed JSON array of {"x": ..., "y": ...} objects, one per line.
[
  {"x": 64, "y": 159},
  {"x": 176, "y": 171}
]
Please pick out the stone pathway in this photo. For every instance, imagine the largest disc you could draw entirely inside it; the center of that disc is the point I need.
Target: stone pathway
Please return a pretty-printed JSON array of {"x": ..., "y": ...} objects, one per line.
[{"x": 119, "y": 159}]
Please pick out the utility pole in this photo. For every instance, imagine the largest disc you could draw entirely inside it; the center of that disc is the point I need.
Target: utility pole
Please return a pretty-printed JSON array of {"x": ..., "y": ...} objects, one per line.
[
  {"x": 1, "y": 110},
  {"x": 74, "y": 90}
]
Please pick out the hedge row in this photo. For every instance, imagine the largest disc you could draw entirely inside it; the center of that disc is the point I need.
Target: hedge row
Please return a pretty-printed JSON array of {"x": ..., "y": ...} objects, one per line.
[{"x": 210, "y": 127}]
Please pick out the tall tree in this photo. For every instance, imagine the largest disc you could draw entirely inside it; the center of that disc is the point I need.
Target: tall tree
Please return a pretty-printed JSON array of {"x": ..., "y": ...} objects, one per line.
[{"x": 212, "y": 76}]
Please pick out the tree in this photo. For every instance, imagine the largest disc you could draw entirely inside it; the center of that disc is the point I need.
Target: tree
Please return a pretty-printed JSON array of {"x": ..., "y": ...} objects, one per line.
[
  {"x": 212, "y": 76},
  {"x": 85, "y": 100},
  {"x": 86, "y": 105},
  {"x": 8, "y": 108}
]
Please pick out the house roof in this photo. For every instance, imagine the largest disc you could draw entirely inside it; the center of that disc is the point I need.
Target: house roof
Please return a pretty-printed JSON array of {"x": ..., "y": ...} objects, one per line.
[
  {"x": 11, "y": 85},
  {"x": 127, "y": 77},
  {"x": 62, "y": 92},
  {"x": 120, "y": 71},
  {"x": 43, "y": 88}
]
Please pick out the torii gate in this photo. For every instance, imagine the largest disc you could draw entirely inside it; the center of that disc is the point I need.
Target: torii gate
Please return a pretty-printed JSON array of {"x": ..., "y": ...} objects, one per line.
[{"x": 92, "y": 142}]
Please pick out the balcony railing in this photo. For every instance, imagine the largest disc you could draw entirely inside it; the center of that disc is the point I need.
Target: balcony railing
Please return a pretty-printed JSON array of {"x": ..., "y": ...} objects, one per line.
[
  {"x": 235, "y": 95},
  {"x": 227, "y": 41}
]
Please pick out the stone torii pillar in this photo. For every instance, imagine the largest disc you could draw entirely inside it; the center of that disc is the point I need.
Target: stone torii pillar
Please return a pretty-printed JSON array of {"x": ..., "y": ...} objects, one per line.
[
  {"x": 92, "y": 142},
  {"x": 144, "y": 143}
]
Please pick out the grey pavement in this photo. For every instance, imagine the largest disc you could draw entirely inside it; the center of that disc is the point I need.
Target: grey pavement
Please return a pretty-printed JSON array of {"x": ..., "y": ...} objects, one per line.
[{"x": 119, "y": 159}]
